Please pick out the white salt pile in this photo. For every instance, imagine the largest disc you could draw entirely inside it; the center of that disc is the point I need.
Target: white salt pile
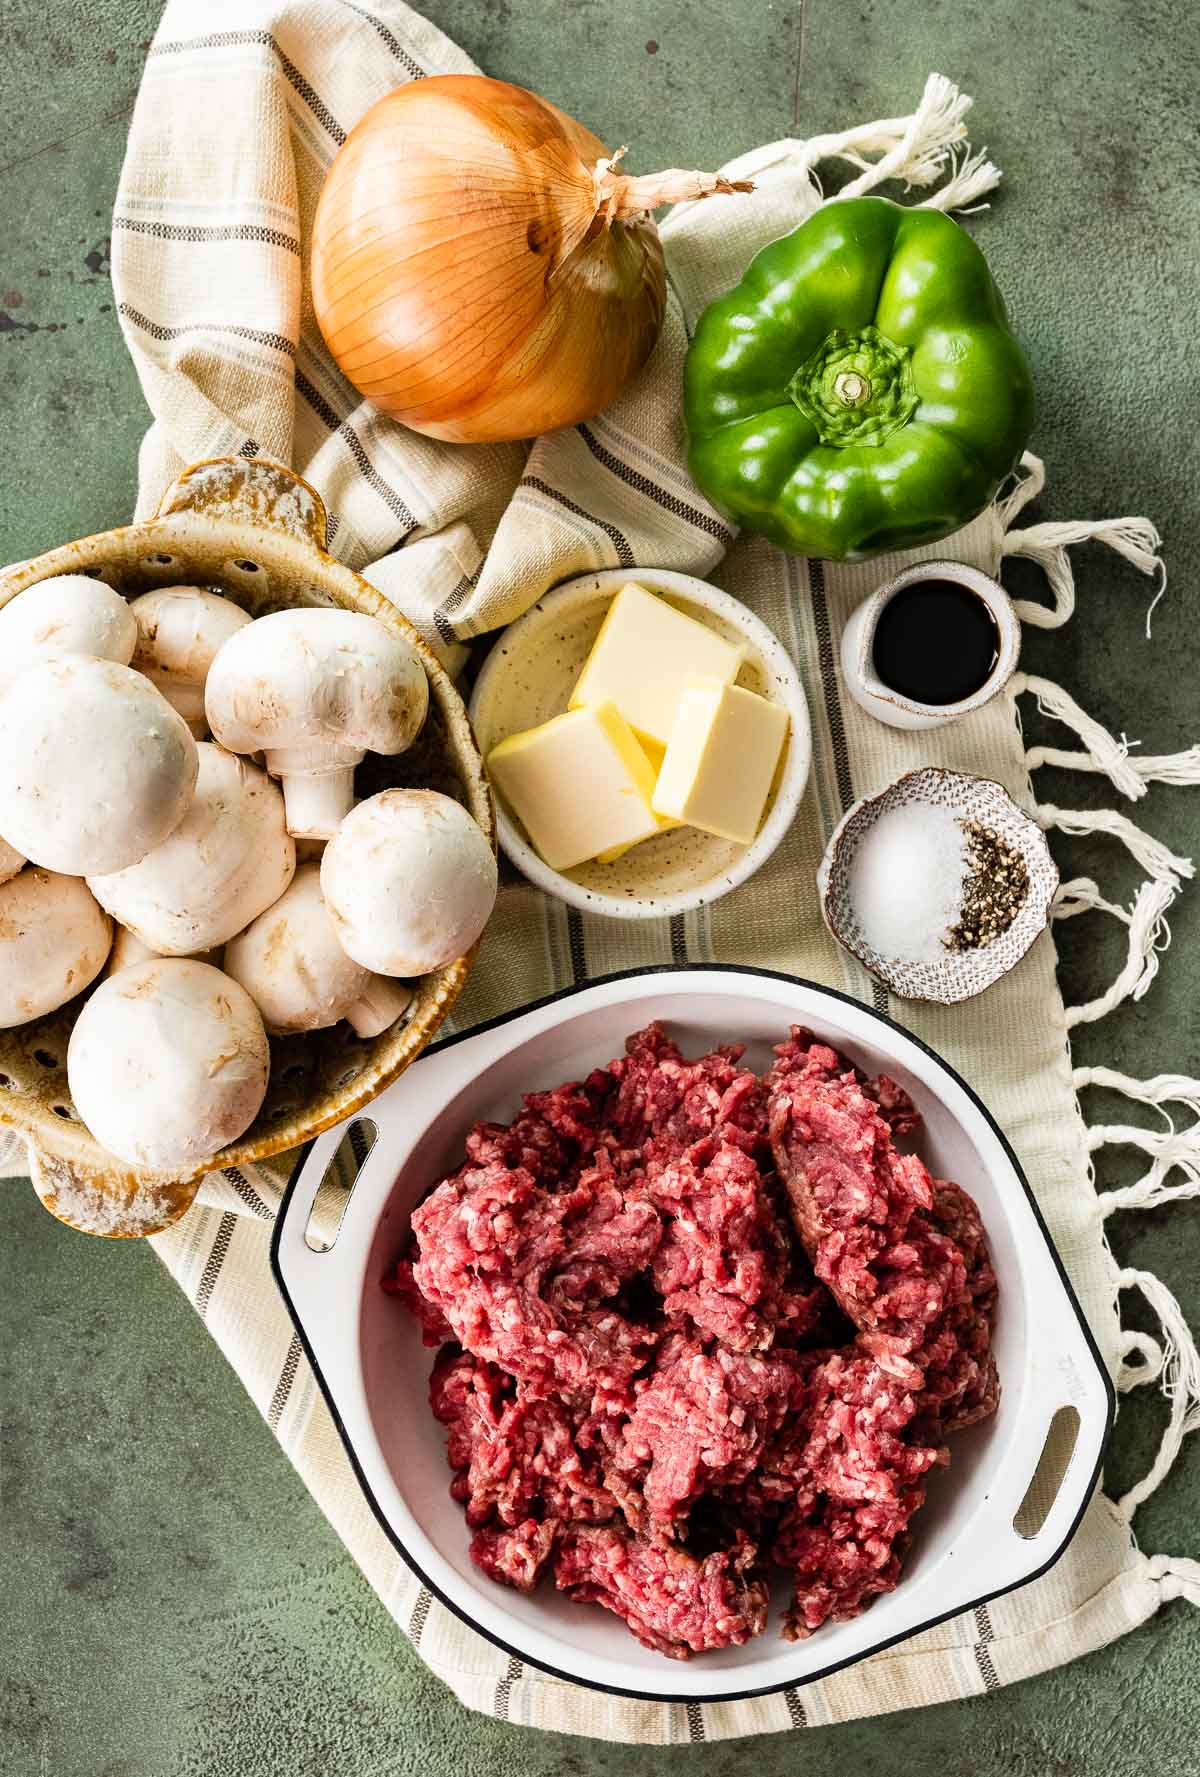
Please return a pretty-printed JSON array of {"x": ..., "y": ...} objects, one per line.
[{"x": 906, "y": 881}]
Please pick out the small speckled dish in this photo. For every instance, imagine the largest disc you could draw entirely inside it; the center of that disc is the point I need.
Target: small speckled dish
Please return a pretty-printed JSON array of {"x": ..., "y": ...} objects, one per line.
[
  {"x": 960, "y": 975},
  {"x": 528, "y": 677}
]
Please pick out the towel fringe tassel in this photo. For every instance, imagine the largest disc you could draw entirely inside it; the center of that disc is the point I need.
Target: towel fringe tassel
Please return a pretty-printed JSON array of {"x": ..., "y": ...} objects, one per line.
[
  {"x": 1081, "y": 895},
  {"x": 917, "y": 150},
  {"x": 1150, "y": 1356},
  {"x": 1179, "y": 1378},
  {"x": 1161, "y": 1089},
  {"x": 1153, "y": 768},
  {"x": 1178, "y": 1577},
  {"x": 1168, "y": 1149},
  {"x": 1102, "y": 752},
  {"x": 972, "y": 176},
  {"x": 1149, "y": 935},
  {"x": 1155, "y": 858},
  {"x": 1047, "y": 544},
  {"x": 1029, "y": 480},
  {"x": 1172, "y": 1359}
]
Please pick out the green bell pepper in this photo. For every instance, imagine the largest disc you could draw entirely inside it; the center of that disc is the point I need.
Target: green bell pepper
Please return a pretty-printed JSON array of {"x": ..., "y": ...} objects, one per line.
[{"x": 859, "y": 390}]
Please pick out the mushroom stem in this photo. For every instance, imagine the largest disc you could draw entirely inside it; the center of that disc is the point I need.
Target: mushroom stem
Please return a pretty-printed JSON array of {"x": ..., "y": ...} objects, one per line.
[
  {"x": 318, "y": 787},
  {"x": 314, "y": 689},
  {"x": 382, "y": 1002}
]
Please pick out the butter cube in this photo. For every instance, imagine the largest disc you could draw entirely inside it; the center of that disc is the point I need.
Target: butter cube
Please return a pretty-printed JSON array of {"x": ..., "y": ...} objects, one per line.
[
  {"x": 721, "y": 758},
  {"x": 580, "y": 784},
  {"x": 643, "y": 657},
  {"x": 655, "y": 754}
]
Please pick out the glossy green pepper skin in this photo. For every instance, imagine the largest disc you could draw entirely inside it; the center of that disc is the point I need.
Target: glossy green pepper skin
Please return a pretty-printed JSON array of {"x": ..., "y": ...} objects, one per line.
[{"x": 859, "y": 390}]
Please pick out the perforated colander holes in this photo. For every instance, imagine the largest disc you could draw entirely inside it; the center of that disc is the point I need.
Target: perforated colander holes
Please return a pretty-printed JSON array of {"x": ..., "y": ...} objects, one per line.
[
  {"x": 241, "y": 573},
  {"x": 48, "y": 1059},
  {"x": 159, "y": 562}
]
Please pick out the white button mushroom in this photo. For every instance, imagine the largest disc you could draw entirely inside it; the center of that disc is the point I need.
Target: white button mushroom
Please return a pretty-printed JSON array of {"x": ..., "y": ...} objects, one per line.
[
  {"x": 168, "y": 1063},
  {"x": 96, "y": 768},
  {"x": 180, "y": 629},
  {"x": 316, "y": 689},
  {"x": 10, "y": 861},
  {"x": 69, "y": 614},
  {"x": 292, "y": 966},
  {"x": 128, "y": 948},
  {"x": 228, "y": 859},
  {"x": 410, "y": 881},
  {"x": 53, "y": 942}
]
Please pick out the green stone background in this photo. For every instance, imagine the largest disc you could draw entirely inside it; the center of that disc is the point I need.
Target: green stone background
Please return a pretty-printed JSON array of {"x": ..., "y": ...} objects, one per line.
[{"x": 173, "y": 1605}]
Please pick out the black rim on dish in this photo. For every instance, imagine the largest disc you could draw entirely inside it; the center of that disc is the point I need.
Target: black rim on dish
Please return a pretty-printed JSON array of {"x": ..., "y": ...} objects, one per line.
[{"x": 783, "y": 1684}]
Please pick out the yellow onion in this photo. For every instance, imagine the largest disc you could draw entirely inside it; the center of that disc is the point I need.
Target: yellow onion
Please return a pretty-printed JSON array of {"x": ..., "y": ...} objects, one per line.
[{"x": 480, "y": 268}]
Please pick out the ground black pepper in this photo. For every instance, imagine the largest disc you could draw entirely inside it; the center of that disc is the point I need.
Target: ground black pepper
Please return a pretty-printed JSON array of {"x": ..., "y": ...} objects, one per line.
[{"x": 994, "y": 890}]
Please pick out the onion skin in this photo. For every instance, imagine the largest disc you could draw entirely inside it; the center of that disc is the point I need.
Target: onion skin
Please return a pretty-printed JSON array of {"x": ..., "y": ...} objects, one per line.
[{"x": 472, "y": 275}]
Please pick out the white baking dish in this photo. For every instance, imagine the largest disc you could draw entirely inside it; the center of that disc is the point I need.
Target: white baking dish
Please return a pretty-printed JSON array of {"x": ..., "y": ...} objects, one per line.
[{"x": 368, "y": 1357}]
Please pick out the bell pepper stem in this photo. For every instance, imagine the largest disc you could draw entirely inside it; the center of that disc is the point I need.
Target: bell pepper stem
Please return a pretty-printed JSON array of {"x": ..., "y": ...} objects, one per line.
[{"x": 852, "y": 389}]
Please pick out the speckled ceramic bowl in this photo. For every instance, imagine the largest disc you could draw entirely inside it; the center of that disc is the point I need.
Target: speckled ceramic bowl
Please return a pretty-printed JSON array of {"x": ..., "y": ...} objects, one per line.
[
  {"x": 959, "y": 975},
  {"x": 528, "y": 677}
]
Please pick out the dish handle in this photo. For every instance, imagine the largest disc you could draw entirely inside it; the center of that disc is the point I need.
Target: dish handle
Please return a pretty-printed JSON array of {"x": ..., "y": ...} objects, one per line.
[
  {"x": 120, "y": 1205},
  {"x": 303, "y": 1261},
  {"x": 1056, "y": 1455},
  {"x": 252, "y": 491},
  {"x": 308, "y": 1258}
]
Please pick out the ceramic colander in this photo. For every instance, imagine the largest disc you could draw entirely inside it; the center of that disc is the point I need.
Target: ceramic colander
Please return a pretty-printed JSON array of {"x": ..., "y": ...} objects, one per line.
[{"x": 257, "y": 533}]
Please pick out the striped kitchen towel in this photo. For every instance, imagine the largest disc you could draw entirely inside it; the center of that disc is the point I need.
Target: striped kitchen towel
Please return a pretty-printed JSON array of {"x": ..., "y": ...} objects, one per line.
[{"x": 243, "y": 106}]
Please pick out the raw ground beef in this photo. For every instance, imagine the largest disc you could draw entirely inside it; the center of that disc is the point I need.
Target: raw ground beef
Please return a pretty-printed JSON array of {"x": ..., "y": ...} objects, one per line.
[
  {"x": 904, "y": 1254},
  {"x": 673, "y": 1601},
  {"x": 858, "y": 1479},
  {"x": 697, "y": 1325},
  {"x": 700, "y": 1420}
]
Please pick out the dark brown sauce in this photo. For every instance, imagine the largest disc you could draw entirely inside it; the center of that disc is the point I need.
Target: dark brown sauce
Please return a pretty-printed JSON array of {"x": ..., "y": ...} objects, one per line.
[{"x": 935, "y": 642}]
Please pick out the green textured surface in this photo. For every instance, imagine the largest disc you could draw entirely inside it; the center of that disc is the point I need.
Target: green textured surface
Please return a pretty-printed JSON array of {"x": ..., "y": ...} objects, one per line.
[{"x": 172, "y": 1602}]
